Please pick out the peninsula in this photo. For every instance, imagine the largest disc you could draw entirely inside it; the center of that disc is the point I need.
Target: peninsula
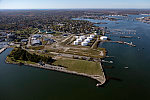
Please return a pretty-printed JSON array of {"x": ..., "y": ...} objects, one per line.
[
  {"x": 54, "y": 40},
  {"x": 58, "y": 40},
  {"x": 64, "y": 55}
]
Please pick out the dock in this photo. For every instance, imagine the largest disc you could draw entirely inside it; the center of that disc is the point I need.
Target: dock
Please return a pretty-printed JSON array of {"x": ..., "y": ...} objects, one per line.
[
  {"x": 126, "y": 36},
  {"x": 104, "y": 61},
  {"x": 2, "y": 50},
  {"x": 130, "y": 37},
  {"x": 122, "y": 42},
  {"x": 110, "y": 56}
]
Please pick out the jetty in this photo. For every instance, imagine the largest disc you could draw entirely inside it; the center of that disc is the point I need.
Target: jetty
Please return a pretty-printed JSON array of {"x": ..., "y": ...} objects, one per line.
[
  {"x": 2, "y": 50},
  {"x": 126, "y": 36},
  {"x": 130, "y": 37},
  {"x": 107, "y": 61},
  {"x": 122, "y": 42},
  {"x": 110, "y": 56}
]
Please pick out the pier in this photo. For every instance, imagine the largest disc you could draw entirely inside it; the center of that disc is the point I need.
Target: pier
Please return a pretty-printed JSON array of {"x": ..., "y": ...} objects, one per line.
[
  {"x": 2, "y": 50},
  {"x": 126, "y": 36},
  {"x": 110, "y": 56},
  {"x": 122, "y": 42},
  {"x": 130, "y": 37},
  {"x": 107, "y": 61}
]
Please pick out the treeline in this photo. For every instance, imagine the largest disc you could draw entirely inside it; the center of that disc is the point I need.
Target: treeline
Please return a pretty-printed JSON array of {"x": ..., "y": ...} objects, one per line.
[{"x": 21, "y": 54}]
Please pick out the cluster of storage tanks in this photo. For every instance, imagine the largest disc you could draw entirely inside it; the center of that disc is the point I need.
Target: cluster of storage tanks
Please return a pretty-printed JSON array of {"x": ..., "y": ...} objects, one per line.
[{"x": 83, "y": 40}]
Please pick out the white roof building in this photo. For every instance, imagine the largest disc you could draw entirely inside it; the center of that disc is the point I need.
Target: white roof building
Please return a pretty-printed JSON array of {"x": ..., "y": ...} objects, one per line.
[
  {"x": 75, "y": 43},
  {"x": 87, "y": 40},
  {"x": 33, "y": 38},
  {"x": 36, "y": 36},
  {"x": 90, "y": 38},
  {"x": 76, "y": 37},
  {"x": 84, "y": 43},
  {"x": 96, "y": 33},
  {"x": 103, "y": 37},
  {"x": 79, "y": 40},
  {"x": 82, "y": 37},
  {"x": 36, "y": 42}
]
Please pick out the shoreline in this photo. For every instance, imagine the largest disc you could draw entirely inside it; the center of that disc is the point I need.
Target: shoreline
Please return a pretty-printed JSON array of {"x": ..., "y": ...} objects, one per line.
[
  {"x": 100, "y": 79},
  {"x": 2, "y": 50}
]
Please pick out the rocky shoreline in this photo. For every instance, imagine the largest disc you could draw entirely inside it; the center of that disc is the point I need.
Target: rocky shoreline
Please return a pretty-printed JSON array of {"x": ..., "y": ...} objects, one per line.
[{"x": 100, "y": 79}]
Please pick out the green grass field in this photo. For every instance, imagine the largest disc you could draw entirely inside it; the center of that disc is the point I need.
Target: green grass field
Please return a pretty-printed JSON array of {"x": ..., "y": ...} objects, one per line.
[
  {"x": 9, "y": 59},
  {"x": 80, "y": 66},
  {"x": 94, "y": 53},
  {"x": 36, "y": 47}
]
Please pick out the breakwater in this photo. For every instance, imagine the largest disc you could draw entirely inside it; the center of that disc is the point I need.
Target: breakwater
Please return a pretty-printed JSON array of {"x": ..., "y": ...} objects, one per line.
[{"x": 122, "y": 42}]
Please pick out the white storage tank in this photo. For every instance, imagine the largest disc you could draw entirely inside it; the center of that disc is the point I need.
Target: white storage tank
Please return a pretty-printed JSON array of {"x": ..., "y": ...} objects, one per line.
[
  {"x": 84, "y": 43},
  {"x": 76, "y": 37},
  {"x": 96, "y": 33},
  {"x": 75, "y": 43},
  {"x": 79, "y": 40},
  {"x": 90, "y": 38},
  {"x": 103, "y": 38},
  {"x": 33, "y": 38},
  {"x": 87, "y": 40},
  {"x": 82, "y": 37}
]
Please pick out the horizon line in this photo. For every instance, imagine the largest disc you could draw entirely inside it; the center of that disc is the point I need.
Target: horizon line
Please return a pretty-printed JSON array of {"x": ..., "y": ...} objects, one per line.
[{"x": 63, "y": 8}]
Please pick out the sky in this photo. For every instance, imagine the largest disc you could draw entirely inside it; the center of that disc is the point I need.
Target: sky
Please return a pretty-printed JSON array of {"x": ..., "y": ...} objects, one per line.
[{"x": 66, "y": 4}]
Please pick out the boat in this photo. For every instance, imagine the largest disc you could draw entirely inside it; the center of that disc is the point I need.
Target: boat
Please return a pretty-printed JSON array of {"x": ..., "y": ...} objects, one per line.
[
  {"x": 126, "y": 36},
  {"x": 98, "y": 84},
  {"x": 126, "y": 67},
  {"x": 139, "y": 38}
]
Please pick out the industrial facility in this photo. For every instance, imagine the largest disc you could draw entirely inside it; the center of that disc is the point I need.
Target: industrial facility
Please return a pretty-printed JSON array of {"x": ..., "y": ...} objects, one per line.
[
  {"x": 103, "y": 37},
  {"x": 83, "y": 40}
]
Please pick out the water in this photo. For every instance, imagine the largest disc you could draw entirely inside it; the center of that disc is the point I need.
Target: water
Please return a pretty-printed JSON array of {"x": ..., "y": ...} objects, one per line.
[
  {"x": 27, "y": 83},
  {"x": 3, "y": 44}
]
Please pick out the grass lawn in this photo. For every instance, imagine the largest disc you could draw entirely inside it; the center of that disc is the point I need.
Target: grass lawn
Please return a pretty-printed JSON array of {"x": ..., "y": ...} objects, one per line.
[
  {"x": 9, "y": 59},
  {"x": 80, "y": 66},
  {"x": 95, "y": 53},
  {"x": 36, "y": 47}
]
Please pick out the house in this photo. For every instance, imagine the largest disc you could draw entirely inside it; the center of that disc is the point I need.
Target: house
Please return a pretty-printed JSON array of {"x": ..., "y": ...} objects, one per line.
[
  {"x": 24, "y": 40},
  {"x": 36, "y": 42},
  {"x": 65, "y": 35},
  {"x": 11, "y": 37},
  {"x": 49, "y": 40},
  {"x": 35, "y": 36}
]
